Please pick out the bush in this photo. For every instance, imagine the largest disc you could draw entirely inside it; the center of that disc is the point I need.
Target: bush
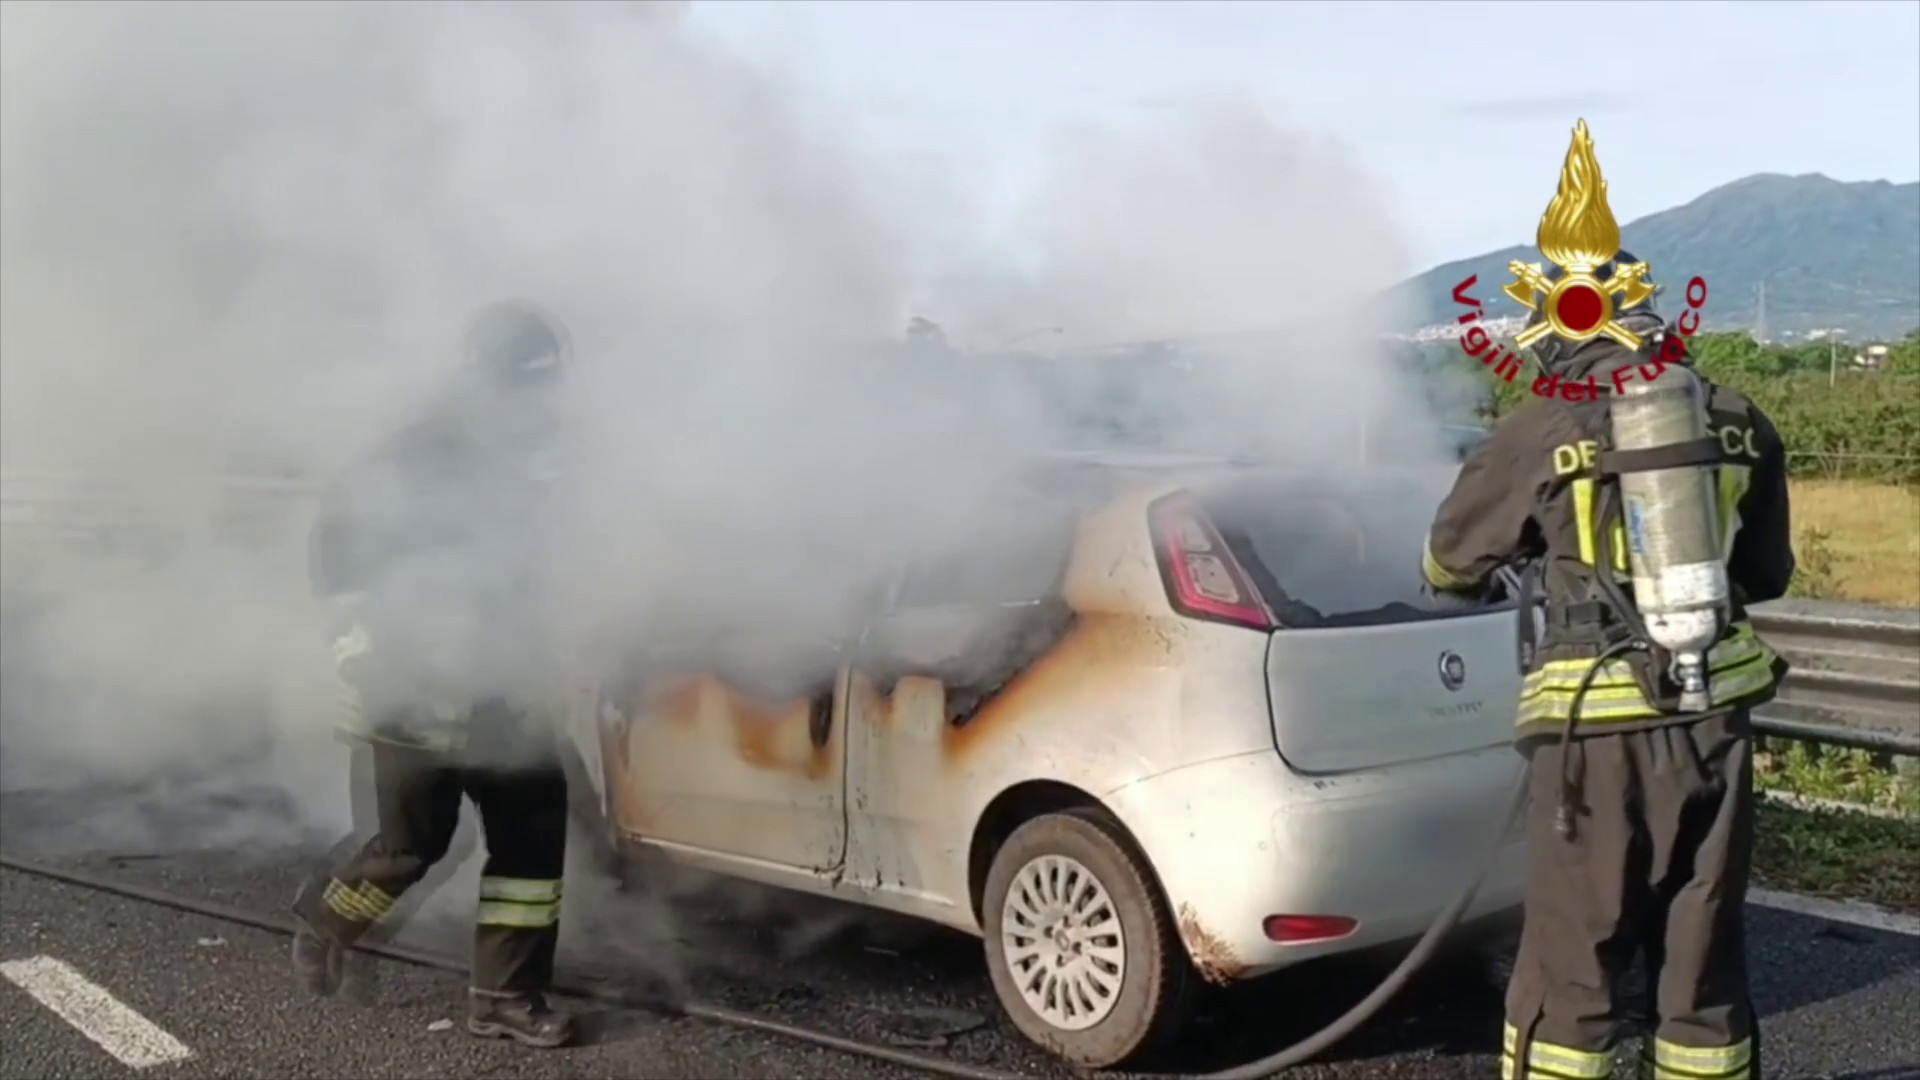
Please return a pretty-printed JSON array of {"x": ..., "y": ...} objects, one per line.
[
  {"x": 1814, "y": 573},
  {"x": 1866, "y": 425}
]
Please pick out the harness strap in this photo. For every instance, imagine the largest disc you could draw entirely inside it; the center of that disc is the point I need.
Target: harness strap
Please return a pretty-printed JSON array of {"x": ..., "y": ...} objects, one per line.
[
  {"x": 1532, "y": 578},
  {"x": 1702, "y": 451}
]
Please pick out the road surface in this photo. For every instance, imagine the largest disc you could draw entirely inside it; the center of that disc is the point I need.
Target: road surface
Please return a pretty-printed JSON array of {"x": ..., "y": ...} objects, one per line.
[{"x": 102, "y": 986}]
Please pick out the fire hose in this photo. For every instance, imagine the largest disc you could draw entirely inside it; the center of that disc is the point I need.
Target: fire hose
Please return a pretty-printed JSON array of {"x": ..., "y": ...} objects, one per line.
[
  {"x": 1267, "y": 1066},
  {"x": 1272, "y": 1064},
  {"x": 1397, "y": 979}
]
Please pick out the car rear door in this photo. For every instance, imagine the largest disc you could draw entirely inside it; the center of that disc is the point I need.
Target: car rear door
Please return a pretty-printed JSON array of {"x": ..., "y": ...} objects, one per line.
[{"x": 959, "y": 625}]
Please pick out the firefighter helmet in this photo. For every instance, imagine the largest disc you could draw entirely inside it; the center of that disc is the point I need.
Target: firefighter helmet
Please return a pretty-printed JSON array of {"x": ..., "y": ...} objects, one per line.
[{"x": 515, "y": 343}]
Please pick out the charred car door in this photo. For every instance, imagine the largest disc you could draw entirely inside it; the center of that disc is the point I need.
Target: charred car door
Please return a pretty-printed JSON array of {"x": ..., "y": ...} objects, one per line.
[
  {"x": 957, "y": 630},
  {"x": 729, "y": 746}
]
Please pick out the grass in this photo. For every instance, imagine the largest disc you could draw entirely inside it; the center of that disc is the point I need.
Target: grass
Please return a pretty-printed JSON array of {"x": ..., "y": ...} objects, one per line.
[
  {"x": 1835, "y": 853},
  {"x": 1857, "y": 540},
  {"x": 1844, "y": 856}
]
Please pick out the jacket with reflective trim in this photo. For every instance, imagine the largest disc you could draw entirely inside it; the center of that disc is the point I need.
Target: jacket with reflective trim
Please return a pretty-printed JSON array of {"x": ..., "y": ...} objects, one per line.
[
  {"x": 1530, "y": 492},
  {"x": 426, "y": 550}
]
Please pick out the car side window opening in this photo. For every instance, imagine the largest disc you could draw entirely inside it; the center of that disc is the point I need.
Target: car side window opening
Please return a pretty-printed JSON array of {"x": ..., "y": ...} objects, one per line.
[
  {"x": 974, "y": 618},
  {"x": 1020, "y": 561}
]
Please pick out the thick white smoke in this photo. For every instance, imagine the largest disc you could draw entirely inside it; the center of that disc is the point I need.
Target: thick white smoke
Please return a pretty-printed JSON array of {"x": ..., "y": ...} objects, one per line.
[{"x": 242, "y": 239}]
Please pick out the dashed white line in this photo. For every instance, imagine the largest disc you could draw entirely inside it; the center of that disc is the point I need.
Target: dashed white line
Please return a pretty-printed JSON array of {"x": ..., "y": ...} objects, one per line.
[
  {"x": 132, "y": 1039},
  {"x": 1852, "y": 912}
]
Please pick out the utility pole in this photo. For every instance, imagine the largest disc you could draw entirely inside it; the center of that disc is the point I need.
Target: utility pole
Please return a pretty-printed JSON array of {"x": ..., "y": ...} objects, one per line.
[{"x": 1760, "y": 330}]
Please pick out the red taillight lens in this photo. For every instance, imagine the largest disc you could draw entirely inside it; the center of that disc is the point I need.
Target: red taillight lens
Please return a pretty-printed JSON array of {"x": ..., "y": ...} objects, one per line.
[
  {"x": 1203, "y": 579},
  {"x": 1297, "y": 929}
]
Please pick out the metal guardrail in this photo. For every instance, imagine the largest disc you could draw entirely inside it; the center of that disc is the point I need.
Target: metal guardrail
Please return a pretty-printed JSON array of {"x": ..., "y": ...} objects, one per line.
[
  {"x": 1854, "y": 678},
  {"x": 61, "y": 530}
]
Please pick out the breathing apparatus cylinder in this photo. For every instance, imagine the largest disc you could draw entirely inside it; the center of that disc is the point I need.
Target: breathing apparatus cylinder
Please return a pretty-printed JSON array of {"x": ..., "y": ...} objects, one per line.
[{"x": 1672, "y": 524}]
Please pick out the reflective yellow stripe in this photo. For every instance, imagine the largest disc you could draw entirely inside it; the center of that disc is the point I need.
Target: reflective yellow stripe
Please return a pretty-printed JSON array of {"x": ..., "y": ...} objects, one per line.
[
  {"x": 1739, "y": 667},
  {"x": 376, "y": 897},
  {"x": 522, "y": 890},
  {"x": 364, "y": 904},
  {"x": 1671, "y": 1061},
  {"x": 1438, "y": 576},
  {"x": 1733, "y": 483},
  {"x": 1672, "y": 1072},
  {"x": 1563, "y": 683},
  {"x": 1585, "y": 499},
  {"x": 1545, "y": 1059},
  {"x": 519, "y": 902},
  {"x": 1738, "y": 648},
  {"x": 520, "y": 915},
  {"x": 1621, "y": 703},
  {"x": 343, "y": 902}
]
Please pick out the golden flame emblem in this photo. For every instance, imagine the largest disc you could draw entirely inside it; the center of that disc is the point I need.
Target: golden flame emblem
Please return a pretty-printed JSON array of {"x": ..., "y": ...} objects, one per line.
[{"x": 1578, "y": 233}]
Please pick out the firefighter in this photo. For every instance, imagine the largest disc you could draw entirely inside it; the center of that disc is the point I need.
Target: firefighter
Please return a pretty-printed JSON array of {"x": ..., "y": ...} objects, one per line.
[
  {"x": 426, "y": 551},
  {"x": 1641, "y": 820}
]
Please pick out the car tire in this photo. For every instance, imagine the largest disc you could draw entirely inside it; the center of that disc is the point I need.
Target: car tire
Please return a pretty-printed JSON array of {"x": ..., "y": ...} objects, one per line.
[{"x": 1145, "y": 1001}]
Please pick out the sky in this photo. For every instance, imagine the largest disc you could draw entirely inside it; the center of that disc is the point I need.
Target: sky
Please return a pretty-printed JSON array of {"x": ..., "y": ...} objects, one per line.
[{"x": 1462, "y": 110}]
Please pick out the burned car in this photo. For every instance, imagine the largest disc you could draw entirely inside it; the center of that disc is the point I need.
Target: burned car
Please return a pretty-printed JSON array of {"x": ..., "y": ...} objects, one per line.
[{"x": 1200, "y": 724}]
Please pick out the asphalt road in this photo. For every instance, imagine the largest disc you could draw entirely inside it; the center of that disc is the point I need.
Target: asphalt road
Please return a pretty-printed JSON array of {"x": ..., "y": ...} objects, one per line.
[{"x": 1837, "y": 1001}]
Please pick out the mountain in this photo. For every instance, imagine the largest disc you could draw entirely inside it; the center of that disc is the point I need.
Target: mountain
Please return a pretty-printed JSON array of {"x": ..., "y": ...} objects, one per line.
[{"x": 1832, "y": 255}]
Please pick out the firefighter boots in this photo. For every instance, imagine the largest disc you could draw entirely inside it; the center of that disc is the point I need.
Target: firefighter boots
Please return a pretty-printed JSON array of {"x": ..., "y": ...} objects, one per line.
[
  {"x": 319, "y": 959},
  {"x": 524, "y": 1018}
]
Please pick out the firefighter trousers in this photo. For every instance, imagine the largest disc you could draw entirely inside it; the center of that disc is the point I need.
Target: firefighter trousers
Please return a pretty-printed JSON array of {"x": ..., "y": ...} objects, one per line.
[
  {"x": 523, "y": 813},
  {"x": 1657, "y": 861}
]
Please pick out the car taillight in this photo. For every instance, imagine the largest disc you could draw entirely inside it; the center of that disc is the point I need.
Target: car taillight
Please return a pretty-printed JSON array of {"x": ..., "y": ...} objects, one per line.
[{"x": 1203, "y": 579}]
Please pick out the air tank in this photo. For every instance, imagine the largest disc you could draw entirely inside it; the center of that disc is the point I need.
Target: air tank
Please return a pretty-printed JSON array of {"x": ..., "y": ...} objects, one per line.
[{"x": 1674, "y": 550}]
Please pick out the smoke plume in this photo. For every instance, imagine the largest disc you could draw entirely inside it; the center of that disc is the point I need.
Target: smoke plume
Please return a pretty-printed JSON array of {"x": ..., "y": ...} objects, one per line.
[{"x": 241, "y": 240}]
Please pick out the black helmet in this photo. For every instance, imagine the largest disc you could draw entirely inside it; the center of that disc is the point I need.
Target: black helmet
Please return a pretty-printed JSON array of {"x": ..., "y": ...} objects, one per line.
[
  {"x": 514, "y": 343},
  {"x": 1556, "y": 354}
]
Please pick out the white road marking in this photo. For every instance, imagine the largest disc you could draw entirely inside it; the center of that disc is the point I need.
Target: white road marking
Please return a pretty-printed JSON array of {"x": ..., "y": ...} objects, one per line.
[
  {"x": 131, "y": 1038},
  {"x": 1852, "y": 912}
]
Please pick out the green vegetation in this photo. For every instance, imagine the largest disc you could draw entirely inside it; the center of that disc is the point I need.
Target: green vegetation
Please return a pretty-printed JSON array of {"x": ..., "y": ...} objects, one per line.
[
  {"x": 1813, "y": 575},
  {"x": 1837, "y": 421},
  {"x": 1840, "y": 855},
  {"x": 1827, "y": 772},
  {"x": 1852, "y": 439},
  {"x": 1833, "y": 853}
]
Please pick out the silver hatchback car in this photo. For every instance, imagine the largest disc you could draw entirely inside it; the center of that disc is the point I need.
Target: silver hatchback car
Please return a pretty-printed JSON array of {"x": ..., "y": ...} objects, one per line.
[{"x": 1200, "y": 724}]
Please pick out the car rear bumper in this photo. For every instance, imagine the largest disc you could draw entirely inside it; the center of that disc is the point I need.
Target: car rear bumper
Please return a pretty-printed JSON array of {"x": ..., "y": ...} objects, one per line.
[{"x": 1241, "y": 839}]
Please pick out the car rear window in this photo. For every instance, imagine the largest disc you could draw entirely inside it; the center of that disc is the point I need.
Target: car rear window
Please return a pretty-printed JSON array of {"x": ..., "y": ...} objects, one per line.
[{"x": 1322, "y": 557}]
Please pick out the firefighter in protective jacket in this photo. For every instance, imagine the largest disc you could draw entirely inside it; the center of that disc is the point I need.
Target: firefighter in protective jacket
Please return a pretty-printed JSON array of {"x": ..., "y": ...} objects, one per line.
[
  {"x": 426, "y": 551},
  {"x": 1641, "y": 817}
]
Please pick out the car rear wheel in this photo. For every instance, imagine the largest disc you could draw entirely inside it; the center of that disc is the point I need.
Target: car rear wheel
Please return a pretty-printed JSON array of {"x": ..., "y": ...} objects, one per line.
[{"x": 1083, "y": 953}]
